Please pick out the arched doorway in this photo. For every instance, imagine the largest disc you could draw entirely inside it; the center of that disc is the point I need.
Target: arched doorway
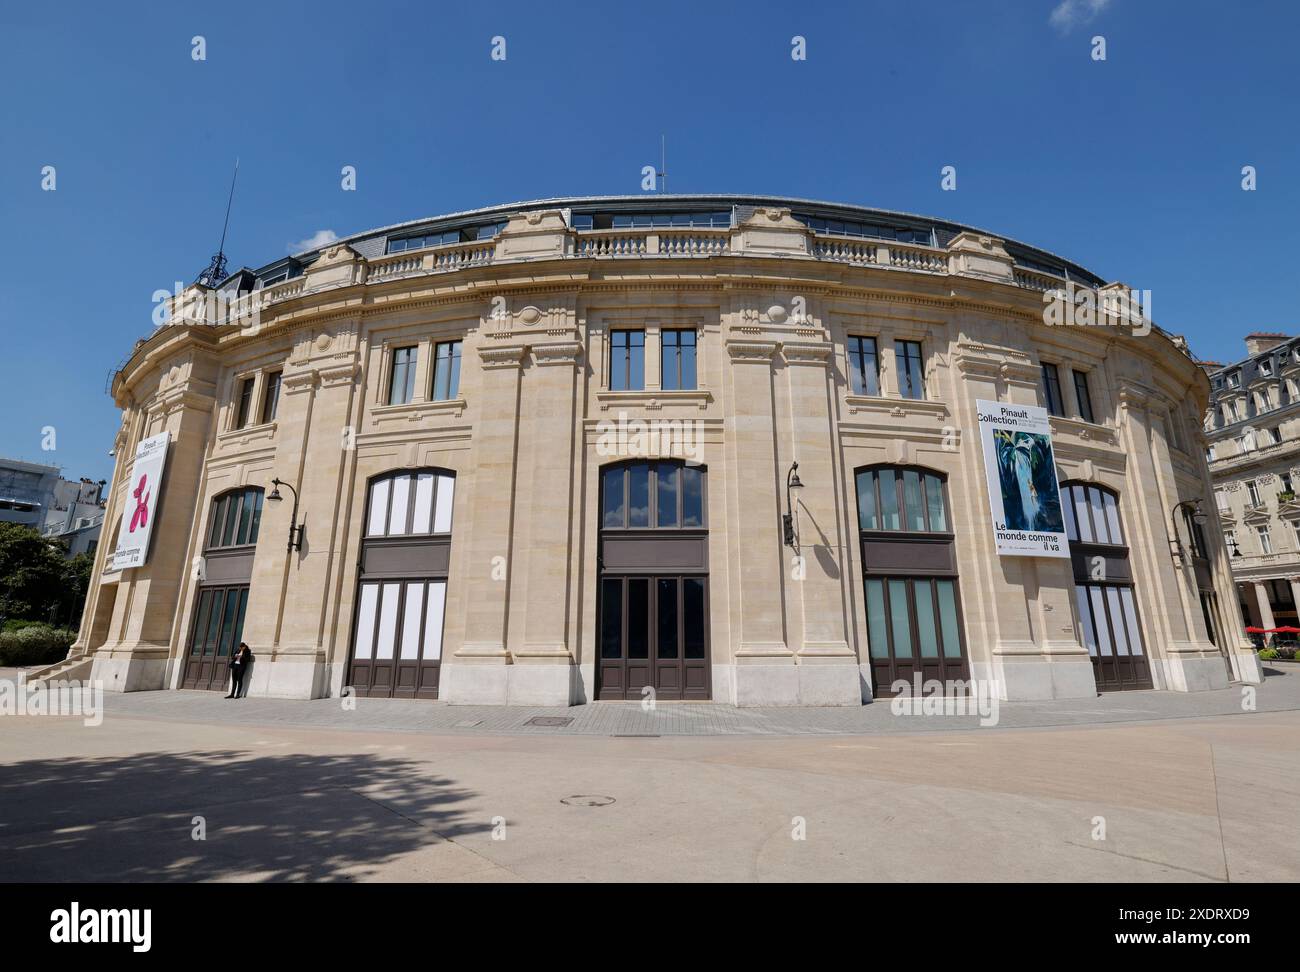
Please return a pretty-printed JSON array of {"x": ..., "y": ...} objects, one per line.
[
  {"x": 653, "y": 609},
  {"x": 229, "y": 546},
  {"x": 913, "y": 602},
  {"x": 402, "y": 588},
  {"x": 1103, "y": 587}
]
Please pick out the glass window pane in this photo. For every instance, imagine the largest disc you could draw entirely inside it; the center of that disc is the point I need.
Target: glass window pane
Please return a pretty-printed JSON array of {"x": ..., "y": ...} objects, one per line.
[
  {"x": 615, "y": 513},
  {"x": 1098, "y": 514},
  {"x": 877, "y": 638},
  {"x": 218, "y": 514},
  {"x": 387, "y": 621},
  {"x": 433, "y": 621},
  {"x": 214, "y": 624},
  {"x": 948, "y": 618},
  {"x": 1067, "y": 505},
  {"x": 239, "y": 617},
  {"x": 925, "y": 628},
  {"x": 666, "y": 495},
  {"x": 401, "y": 498},
  {"x": 638, "y": 618},
  {"x": 1097, "y": 601},
  {"x": 636, "y": 361},
  {"x": 1131, "y": 621},
  {"x": 228, "y": 623},
  {"x": 688, "y": 360},
  {"x": 638, "y": 495},
  {"x": 442, "y": 374},
  {"x": 378, "y": 508},
  {"x": 257, "y": 516},
  {"x": 888, "y": 500},
  {"x": 444, "y": 504},
  {"x": 666, "y": 619},
  {"x": 453, "y": 384},
  {"x": 366, "y": 622},
  {"x": 692, "y": 496},
  {"x": 899, "y": 621},
  {"x": 201, "y": 622},
  {"x": 913, "y": 506},
  {"x": 1085, "y": 619},
  {"x": 232, "y": 519},
  {"x": 411, "y": 617},
  {"x": 1119, "y": 631},
  {"x": 867, "y": 518},
  {"x": 693, "y": 616},
  {"x": 423, "y": 503},
  {"x": 934, "y": 500},
  {"x": 1081, "y": 514},
  {"x": 611, "y": 618},
  {"x": 245, "y": 516},
  {"x": 1112, "y": 517}
]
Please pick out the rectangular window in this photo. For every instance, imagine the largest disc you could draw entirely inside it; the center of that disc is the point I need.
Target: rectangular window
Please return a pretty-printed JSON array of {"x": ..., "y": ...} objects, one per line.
[
  {"x": 401, "y": 379},
  {"x": 245, "y": 403},
  {"x": 1265, "y": 541},
  {"x": 907, "y": 360},
  {"x": 627, "y": 360},
  {"x": 1286, "y": 483},
  {"x": 1052, "y": 389},
  {"x": 446, "y": 375},
  {"x": 864, "y": 367},
  {"x": 1082, "y": 396},
  {"x": 1253, "y": 491},
  {"x": 271, "y": 397},
  {"x": 1295, "y": 532},
  {"x": 678, "y": 360}
]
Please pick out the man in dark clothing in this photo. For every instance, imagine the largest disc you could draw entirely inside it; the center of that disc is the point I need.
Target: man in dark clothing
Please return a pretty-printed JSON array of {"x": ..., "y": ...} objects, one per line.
[{"x": 238, "y": 667}]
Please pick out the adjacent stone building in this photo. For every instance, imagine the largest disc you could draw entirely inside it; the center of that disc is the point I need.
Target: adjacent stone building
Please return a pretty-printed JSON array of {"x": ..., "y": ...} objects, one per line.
[
  {"x": 546, "y": 453},
  {"x": 1253, "y": 430}
]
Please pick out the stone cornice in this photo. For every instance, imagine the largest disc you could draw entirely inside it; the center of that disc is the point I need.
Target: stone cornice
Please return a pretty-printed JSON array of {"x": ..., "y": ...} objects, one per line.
[
  {"x": 751, "y": 352},
  {"x": 510, "y": 356},
  {"x": 805, "y": 353},
  {"x": 559, "y": 353}
]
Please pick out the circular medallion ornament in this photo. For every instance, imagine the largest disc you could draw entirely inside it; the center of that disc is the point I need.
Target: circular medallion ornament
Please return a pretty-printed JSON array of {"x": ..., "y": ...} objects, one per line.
[
  {"x": 323, "y": 341},
  {"x": 776, "y": 313},
  {"x": 530, "y": 315}
]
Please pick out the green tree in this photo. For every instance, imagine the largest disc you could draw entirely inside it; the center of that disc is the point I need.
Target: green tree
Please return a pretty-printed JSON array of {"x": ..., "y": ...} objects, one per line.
[{"x": 32, "y": 573}]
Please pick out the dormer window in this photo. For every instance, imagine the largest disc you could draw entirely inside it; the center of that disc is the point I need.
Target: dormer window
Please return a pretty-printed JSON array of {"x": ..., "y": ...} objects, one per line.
[{"x": 1266, "y": 366}]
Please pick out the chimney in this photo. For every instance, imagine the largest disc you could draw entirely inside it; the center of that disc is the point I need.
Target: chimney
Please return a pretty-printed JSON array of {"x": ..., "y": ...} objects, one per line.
[{"x": 1261, "y": 341}]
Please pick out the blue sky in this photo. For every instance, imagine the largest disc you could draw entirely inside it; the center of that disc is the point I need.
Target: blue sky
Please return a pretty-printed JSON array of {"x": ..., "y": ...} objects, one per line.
[{"x": 1130, "y": 167}]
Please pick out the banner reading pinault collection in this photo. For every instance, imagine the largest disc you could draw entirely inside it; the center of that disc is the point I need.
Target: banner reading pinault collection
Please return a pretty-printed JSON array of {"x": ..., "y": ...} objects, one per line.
[
  {"x": 1024, "y": 498},
  {"x": 144, "y": 491}
]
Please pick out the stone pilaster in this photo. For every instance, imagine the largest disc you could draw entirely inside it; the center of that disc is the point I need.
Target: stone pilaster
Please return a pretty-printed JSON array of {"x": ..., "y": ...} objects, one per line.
[
  {"x": 476, "y": 673},
  {"x": 828, "y": 670}
]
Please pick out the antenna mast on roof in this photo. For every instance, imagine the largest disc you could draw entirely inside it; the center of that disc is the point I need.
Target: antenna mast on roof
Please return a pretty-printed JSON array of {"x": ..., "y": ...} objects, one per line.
[
  {"x": 216, "y": 270},
  {"x": 663, "y": 166}
]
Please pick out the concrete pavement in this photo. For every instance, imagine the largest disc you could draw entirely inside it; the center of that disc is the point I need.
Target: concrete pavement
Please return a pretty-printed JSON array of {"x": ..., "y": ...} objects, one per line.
[{"x": 1201, "y": 797}]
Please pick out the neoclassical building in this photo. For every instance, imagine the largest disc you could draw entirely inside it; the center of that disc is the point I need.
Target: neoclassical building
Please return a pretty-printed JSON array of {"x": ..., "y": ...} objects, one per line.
[
  {"x": 719, "y": 447},
  {"x": 1253, "y": 428}
]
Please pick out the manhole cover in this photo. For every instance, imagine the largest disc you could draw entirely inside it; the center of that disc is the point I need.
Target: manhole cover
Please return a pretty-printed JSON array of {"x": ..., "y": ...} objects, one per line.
[
  {"x": 548, "y": 721},
  {"x": 587, "y": 801}
]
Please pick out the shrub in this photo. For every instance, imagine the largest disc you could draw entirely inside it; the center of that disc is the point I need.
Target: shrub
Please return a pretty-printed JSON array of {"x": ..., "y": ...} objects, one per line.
[
  {"x": 1267, "y": 654},
  {"x": 16, "y": 624},
  {"x": 35, "y": 644}
]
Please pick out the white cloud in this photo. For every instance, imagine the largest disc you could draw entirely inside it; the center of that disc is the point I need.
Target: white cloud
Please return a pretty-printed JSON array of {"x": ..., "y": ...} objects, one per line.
[
  {"x": 1074, "y": 13},
  {"x": 315, "y": 241}
]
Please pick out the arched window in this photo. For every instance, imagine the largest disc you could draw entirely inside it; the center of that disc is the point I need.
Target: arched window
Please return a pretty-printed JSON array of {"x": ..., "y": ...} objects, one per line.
[
  {"x": 410, "y": 504},
  {"x": 402, "y": 588},
  {"x": 1103, "y": 586},
  {"x": 653, "y": 495},
  {"x": 236, "y": 516},
  {"x": 913, "y": 604},
  {"x": 653, "y": 607},
  {"x": 909, "y": 500}
]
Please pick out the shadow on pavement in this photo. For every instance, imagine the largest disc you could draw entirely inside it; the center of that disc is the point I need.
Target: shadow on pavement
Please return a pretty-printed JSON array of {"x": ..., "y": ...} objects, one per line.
[{"x": 266, "y": 817}]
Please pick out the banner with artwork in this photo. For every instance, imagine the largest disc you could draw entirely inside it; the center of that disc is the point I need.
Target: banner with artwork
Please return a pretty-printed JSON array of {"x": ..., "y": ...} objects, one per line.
[
  {"x": 1024, "y": 498},
  {"x": 143, "y": 492}
]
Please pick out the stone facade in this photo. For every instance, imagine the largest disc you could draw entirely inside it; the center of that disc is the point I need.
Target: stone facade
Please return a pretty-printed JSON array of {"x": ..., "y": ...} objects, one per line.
[
  {"x": 1253, "y": 428},
  {"x": 772, "y": 301}
]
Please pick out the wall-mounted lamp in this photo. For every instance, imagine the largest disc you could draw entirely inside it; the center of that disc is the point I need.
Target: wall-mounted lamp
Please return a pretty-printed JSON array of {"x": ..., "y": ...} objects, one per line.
[
  {"x": 295, "y": 531},
  {"x": 1198, "y": 518},
  {"x": 787, "y": 521}
]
